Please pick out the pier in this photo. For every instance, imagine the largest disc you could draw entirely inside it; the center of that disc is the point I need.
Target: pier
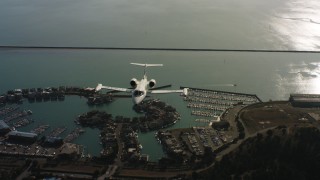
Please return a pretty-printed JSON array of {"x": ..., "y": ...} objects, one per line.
[
  {"x": 6, "y": 110},
  {"x": 16, "y": 115},
  {"x": 40, "y": 129},
  {"x": 57, "y": 131},
  {"x": 73, "y": 135},
  {"x": 22, "y": 122}
]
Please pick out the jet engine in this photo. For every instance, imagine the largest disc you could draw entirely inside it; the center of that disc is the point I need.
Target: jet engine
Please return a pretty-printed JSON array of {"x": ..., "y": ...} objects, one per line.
[
  {"x": 152, "y": 83},
  {"x": 133, "y": 82}
]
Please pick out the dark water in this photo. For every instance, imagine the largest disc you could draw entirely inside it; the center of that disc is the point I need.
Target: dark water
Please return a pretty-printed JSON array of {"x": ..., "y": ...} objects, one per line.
[{"x": 248, "y": 24}]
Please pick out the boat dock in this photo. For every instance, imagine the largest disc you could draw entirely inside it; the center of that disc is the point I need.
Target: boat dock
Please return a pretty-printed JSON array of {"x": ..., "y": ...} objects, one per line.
[
  {"x": 16, "y": 115},
  {"x": 22, "y": 122},
  {"x": 7, "y": 110},
  {"x": 209, "y": 103},
  {"x": 40, "y": 129},
  {"x": 57, "y": 131},
  {"x": 73, "y": 135}
]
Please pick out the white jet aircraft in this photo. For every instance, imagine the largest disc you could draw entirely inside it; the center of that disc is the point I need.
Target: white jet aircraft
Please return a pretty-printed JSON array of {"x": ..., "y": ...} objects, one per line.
[{"x": 140, "y": 88}]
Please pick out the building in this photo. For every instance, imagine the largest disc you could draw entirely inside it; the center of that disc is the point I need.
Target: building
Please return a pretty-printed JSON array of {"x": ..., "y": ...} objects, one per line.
[
  {"x": 144, "y": 157},
  {"x": 53, "y": 141},
  {"x": 221, "y": 125},
  {"x": 3, "y": 98},
  {"x": 4, "y": 128},
  {"x": 69, "y": 151},
  {"x": 25, "y": 137},
  {"x": 305, "y": 100}
]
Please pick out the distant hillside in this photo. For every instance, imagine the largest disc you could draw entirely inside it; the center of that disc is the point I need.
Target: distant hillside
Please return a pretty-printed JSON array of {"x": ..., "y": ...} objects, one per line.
[{"x": 282, "y": 153}]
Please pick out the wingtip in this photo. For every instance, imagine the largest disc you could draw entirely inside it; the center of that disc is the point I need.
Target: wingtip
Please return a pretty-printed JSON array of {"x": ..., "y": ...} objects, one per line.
[{"x": 98, "y": 88}]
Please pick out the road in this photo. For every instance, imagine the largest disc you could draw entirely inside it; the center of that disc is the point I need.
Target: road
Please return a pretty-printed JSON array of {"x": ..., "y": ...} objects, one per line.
[
  {"x": 117, "y": 162},
  {"x": 26, "y": 173}
]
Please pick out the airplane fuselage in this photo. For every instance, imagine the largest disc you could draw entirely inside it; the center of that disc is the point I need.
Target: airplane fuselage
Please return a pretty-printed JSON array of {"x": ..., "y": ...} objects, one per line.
[{"x": 140, "y": 92}]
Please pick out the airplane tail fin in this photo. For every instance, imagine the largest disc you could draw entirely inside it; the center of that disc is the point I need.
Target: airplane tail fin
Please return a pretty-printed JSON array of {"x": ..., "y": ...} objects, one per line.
[{"x": 146, "y": 65}]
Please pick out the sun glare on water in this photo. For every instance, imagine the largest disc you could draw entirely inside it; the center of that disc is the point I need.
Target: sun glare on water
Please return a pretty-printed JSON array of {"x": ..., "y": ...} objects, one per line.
[
  {"x": 299, "y": 78},
  {"x": 297, "y": 24}
]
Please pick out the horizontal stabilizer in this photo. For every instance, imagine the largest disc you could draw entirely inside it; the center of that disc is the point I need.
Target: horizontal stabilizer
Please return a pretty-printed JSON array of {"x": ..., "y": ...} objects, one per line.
[{"x": 146, "y": 65}]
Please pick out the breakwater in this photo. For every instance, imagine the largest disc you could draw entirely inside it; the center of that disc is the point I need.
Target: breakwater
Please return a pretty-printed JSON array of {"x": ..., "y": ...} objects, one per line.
[{"x": 153, "y": 49}]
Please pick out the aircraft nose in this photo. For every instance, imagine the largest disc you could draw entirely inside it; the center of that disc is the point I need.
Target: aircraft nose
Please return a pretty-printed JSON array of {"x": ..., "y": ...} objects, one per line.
[
  {"x": 137, "y": 100},
  {"x": 134, "y": 101}
]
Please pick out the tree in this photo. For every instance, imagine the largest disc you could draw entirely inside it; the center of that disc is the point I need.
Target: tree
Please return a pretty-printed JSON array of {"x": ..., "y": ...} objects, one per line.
[{"x": 194, "y": 175}]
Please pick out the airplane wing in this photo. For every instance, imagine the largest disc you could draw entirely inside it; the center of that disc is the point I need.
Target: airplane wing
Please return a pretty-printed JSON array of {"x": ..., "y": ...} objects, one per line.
[
  {"x": 100, "y": 86},
  {"x": 182, "y": 91},
  {"x": 165, "y": 91}
]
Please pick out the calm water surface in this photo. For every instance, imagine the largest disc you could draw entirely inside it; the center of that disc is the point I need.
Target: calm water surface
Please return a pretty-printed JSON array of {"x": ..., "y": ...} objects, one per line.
[{"x": 253, "y": 24}]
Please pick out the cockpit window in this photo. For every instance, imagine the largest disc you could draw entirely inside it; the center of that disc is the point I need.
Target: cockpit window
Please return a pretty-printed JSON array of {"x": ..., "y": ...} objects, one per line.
[{"x": 138, "y": 93}]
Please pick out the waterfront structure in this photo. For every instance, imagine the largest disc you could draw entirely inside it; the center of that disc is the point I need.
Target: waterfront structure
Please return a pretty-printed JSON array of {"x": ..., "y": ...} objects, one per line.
[
  {"x": 209, "y": 105},
  {"x": 3, "y": 99},
  {"x": 221, "y": 125},
  {"x": 22, "y": 136},
  {"x": 305, "y": 100},
  {"x": 144, "y": 157},
  {"x": 4, "y": 128},
  {"x": 69, "y": 151},
  {"x": 51, "y": 141}
]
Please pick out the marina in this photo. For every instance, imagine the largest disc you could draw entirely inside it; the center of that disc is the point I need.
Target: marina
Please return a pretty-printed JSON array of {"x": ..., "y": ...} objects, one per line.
[
  {"x": 219, "y": 107},
  {"x": 209, "y": 103},
  {"x": 204, "y": 120},
  {"x": 203, "y": 113}
]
